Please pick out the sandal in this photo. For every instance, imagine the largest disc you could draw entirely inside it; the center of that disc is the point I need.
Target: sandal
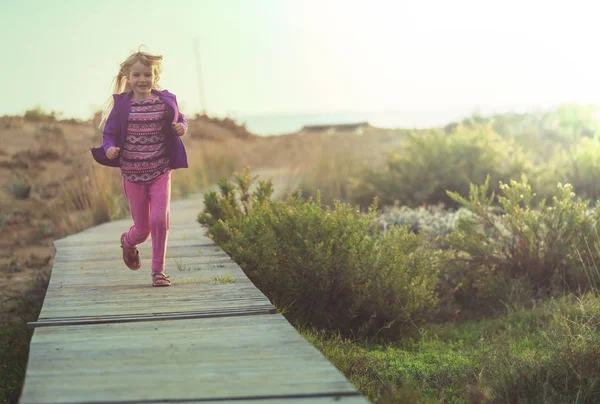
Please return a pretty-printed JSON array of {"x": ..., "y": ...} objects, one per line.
[
  {"x": 160, "y": 279},
  {"x": 131, "y": 256}
]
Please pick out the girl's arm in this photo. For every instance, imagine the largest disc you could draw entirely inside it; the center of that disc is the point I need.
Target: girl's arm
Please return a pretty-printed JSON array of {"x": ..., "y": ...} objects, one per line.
[
  {"x": 109, "y": 134},
  {"x": 181, "y": 120}
]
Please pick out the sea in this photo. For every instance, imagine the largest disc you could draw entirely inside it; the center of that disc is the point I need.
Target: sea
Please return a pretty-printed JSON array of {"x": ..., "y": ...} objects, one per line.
[{"x": 277, "y": 124}]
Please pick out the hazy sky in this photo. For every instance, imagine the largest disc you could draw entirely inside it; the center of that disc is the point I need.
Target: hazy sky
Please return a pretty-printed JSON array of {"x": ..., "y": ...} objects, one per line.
[{"x": 291, "y": 56}]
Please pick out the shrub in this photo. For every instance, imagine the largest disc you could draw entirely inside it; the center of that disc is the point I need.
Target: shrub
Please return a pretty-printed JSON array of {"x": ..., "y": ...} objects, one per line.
[
  {"x": 19, "y": 186},
  {"x": 432, "y": 163},
  {"x": 37, "y": 114},
  {"x": 577, "y": 120},
  {"x": 544, "y": 250},
  {"x": 581, "y": 168},
  {"x": 225, "y": 208},
  {"x": 320, "y": 264}
]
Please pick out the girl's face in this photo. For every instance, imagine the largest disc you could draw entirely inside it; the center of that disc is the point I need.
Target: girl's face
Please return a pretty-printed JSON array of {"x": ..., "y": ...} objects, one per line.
[{"x": 141, "y": 79}]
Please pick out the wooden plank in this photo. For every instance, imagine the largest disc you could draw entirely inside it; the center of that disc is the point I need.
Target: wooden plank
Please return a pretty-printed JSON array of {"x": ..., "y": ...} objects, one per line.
[
  {"x": 92, "y": 274},
  {"x": 194, "y": 264},
  {"x": 113, "y": 237},
  {"x": 194, "y": 233},
  {"x": 105, "y": 335},
  {"x": 115, "y": 253},
  {"x": 221, "y": 312},
  {"x": 110, "y": 239},
  {"x": 96, "y": 290},
  {"x": 214, "y": 359},
  {"x": 109, "y": 230},
  {"x": 291, "y": 399}
]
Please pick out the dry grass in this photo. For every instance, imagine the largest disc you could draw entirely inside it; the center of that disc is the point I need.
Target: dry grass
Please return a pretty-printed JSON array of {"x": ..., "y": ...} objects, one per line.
[
  {"x": 328, "y": 163},
  {"x": 207, "y": 163},
  {"x": 94, "y": 195}
]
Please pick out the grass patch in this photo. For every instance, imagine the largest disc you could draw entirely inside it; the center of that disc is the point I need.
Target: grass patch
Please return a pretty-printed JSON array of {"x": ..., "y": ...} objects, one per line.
[
  {"x": 549, "y": 354},
  {"x": 180, "y": 265},
  {"x": 222, "y": 280},
  {"x": 213, "y": 280},
  {"x": 15, "y": 338},
  {"x": 187, "y": 268}
]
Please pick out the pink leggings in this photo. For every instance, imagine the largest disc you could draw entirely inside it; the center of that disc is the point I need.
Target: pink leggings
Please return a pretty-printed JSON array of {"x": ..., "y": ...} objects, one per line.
[{"x": 149, "y": 205}]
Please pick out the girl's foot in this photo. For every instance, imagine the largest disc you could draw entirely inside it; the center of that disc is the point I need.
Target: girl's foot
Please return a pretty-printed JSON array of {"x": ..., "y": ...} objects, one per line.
[
  {"x": 131, "y": 256},
  {"x": 160, "y": 279}
]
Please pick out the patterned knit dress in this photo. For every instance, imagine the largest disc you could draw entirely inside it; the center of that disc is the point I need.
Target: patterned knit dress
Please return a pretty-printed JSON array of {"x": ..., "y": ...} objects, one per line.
[{"x": 145, "y": 156}]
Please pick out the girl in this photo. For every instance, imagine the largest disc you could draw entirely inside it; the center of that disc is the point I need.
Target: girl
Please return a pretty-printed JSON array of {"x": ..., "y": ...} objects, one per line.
[{"x": 142, "y": 137}]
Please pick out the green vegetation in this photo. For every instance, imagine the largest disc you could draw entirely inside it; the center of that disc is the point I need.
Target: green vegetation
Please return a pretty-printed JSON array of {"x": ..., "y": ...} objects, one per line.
[
  {"x": 478, "y": 284},
  {"x": 523, "y": 251},
  {"x": 562, "y": 145},
  {"x": 213, "y": 280},
  {"x": 549, "y": 354},
  {"x": 496, "y": 302},
  {"x": 434, "y": 162},
  {"x": 320, "y": 263},
  {"x": 37, "y": 114}
]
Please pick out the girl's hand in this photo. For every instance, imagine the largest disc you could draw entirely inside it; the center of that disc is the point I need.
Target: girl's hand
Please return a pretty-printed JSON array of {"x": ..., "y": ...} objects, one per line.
[
  {"x": 179, "y": 128},
  {"x": 112, "y": 152}
]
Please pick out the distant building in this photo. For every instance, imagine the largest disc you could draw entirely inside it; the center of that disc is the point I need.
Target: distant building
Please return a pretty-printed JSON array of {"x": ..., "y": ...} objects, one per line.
[{"x": 357, "y": 128}]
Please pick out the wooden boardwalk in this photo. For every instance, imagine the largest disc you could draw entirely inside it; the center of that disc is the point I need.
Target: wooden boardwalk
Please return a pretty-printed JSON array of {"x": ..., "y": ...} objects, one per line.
[{"x": 105, "y": 335}]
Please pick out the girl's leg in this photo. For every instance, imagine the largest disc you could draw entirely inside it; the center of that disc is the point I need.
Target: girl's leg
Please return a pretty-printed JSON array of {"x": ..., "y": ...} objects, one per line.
[
  {"x": 160, "y": 196},
  {"x": 139, "y": 204}
]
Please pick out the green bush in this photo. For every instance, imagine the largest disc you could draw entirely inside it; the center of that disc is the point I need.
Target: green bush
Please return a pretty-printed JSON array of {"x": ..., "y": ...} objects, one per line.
[
  {"x": 224, "y": 208},
  {"x": 516, "y": 249},
  {"x": 19, "y": 186},
  {"x": 37, "y": 114},
  {"x": 566, "y": 123},
  {"x": 548, "y": 146},
  {"x": 321, "y": 265},
  {"x": 580, "y": 166},
  {"x": 577, "y": 120},
  {"x": 434, "y": 162}
]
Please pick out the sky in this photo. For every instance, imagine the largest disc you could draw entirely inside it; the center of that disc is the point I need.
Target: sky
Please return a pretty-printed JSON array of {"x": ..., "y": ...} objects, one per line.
[{"x": 261, "y": 57}]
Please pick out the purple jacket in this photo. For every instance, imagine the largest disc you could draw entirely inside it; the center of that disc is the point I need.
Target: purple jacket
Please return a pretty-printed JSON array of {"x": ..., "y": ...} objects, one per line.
[{"x": 115, "y": 130}]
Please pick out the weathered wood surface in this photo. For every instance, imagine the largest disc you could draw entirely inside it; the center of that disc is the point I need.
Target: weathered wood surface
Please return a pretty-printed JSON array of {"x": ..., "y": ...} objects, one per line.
[
  {"x": 98, "y": 337},
  {"x": 91, "y": 284},
  {"x": 178, "y": 360}
]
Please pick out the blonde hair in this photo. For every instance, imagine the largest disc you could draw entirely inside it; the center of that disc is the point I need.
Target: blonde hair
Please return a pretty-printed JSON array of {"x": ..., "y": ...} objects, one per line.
[{"x": 120, "y": 83}]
